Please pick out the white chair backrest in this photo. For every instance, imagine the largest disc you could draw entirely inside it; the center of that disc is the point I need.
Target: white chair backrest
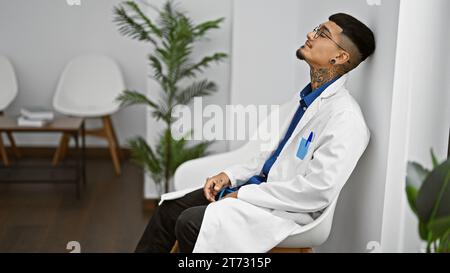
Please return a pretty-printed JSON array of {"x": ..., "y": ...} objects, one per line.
[
  {"x": 89, "y": 86},
  {"x": 8, "y": 83}
]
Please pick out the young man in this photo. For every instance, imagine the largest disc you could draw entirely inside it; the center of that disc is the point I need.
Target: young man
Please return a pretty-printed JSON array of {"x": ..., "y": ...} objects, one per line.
[{"x": 267, "y": 199}]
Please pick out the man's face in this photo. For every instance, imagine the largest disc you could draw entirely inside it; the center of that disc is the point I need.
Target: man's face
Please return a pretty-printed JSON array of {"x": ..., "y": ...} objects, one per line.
[{"x": 318, "y": 52}]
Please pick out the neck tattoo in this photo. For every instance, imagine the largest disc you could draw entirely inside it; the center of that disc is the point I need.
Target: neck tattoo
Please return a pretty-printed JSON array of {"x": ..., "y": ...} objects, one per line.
[{"x": 319, "y": 76}]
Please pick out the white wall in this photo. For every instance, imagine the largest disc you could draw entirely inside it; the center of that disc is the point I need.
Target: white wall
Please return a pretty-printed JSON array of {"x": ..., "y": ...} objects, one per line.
[
  {"x": 430, "y": 96},
  {"x": 219, "y": 40},
  {"x": 40, "y": 37},
  {"x": 264, "y": 46},
  {"x": 265, "y": 71},
  {"x": 422, "y": 116}
]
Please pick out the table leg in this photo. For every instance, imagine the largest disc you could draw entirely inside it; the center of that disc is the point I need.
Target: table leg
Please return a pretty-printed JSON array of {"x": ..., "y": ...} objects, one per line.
[
  {"x": 83, "y": 151},
  {"x": 61, "y": 151},
  {"x": 13, "y": 145},
  {"x": 3, "y": 152},
  {"x": 78, "y": 167}
]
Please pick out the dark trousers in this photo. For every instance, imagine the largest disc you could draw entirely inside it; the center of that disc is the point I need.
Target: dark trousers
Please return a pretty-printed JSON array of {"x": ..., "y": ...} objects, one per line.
[{"x": 178, "y": 219}]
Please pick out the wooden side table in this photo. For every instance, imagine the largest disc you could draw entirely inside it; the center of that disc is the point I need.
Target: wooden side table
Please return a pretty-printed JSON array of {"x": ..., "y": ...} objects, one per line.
[{"x": 18, "y": 173}]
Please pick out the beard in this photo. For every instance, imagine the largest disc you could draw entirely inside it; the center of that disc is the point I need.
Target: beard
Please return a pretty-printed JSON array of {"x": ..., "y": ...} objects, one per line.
[{"x": 299, "y": 54}]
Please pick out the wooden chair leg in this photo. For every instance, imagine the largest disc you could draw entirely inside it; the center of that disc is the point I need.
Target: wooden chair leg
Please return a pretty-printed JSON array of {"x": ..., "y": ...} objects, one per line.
[
  {"x": 61, "y": 152},
  {"x": 112, "y": 142},
  {"x": 106, "y": 132},
  {"x": 3, "y": 152},
  {"x": 175, "y": 248},
  {"x": 13, "y": 145},
  {"x": 291, "y": 250},
  {"x": 119, "y": 151},
  {"x": 65, "y": 146}
]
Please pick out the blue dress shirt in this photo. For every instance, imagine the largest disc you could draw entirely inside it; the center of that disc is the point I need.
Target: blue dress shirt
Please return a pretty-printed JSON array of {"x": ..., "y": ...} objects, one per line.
[{"x": 307, "y": 97}]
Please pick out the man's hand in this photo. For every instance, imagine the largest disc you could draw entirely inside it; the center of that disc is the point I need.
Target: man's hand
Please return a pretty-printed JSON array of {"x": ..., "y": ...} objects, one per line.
[{"x": 214, "y": 184}]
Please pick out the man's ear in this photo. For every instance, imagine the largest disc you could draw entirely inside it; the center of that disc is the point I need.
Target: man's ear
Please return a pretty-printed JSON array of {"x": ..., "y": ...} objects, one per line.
[{"x": 342, "y": 58}]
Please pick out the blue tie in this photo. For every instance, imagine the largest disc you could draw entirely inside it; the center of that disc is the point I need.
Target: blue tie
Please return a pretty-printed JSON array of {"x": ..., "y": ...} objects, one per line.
[{"x": 307, "y": 96}]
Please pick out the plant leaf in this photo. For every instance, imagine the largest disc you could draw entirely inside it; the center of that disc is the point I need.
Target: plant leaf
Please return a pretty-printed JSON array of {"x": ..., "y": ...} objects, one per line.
[
  {"x": 152, "y": 27},
  {"x": 196, "y": 89},
  {"x": 128, "y": 26},
  {"x": 193, "y": 69},
  {"x": 411, "y": 194},
  {"x": 201, "y": 29},
  {"x": 157, "y": 68},
  {"x": 163, "y": 112},
  {"x": 189, "y": 153},
  {"x": 439, "y": 227},
  {"x": 167, "y": 20},
  {"x": 433, "y": 200},
  {"x": 173, "y": 37},
  {"x": 415, "y": 175},
  {"x": 143, "y": 155},
  {"x": 423, "y": 231},
  {"x": 434, "y": 159},
  {"x": 128, "y": 98}
]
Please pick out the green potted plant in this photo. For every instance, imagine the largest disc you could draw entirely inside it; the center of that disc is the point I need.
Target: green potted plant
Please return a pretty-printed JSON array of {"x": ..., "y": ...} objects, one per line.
[
  {"x": 172, "y": 38},
  {"x": 428, "y": 193}
]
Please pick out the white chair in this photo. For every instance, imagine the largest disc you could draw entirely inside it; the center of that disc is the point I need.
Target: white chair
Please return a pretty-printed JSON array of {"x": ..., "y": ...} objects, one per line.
[
  {"x": 88, "y": 88},
  {"x": 8, "y": 92},
  {"x": 311, "y": 235}
]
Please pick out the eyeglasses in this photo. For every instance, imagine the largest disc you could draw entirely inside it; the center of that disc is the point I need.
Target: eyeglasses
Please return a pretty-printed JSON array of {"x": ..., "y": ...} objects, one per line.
[{"x": 319, "y": 31}]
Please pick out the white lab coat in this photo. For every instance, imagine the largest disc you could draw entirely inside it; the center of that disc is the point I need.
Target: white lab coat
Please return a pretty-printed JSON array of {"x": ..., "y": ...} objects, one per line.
[{"x": 264, "y": 215}]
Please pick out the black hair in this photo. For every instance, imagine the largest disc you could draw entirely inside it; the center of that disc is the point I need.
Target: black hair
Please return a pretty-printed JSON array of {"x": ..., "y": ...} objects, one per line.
[{"x": 357, "y": 32}]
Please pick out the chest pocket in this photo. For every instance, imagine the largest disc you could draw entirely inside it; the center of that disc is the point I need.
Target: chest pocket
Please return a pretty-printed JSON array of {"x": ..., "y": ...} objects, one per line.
[{"x": 304, "y": 145}]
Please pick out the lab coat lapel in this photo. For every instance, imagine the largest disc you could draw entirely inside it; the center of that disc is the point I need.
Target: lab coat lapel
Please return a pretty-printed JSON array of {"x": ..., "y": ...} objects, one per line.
[
  {"x": 310, "y": 112},
  {"x": 289, "y": 117},
  {"x": 315, "y": 106}
]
